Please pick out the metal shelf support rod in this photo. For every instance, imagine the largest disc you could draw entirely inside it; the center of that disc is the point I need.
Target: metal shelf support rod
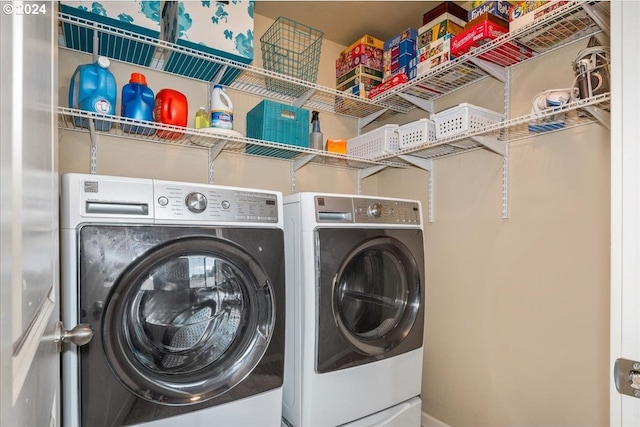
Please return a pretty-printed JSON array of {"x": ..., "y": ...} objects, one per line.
[
  {"x": 363, "y": 121},
  {"x": 426, "y": 164},
  {"x": 495, "y": 71},
  {"x": 213, "y": 154},
  {"x": 297, "y": 164},
  {"x": 493, "y": 144},
  {"x": 598, "y": 18},
  {"x": 426, "y": 105},
  {"x": 604, "y": 117},
  {"x": 216, "y": 79},
  {"x": 364, "y": 173},
  {"x": 302, "y": 99},
  {"x": 93, "y": 136}
]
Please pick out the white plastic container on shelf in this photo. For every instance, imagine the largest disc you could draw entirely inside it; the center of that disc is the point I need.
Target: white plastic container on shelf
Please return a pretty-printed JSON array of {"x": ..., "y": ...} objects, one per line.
[
  {"x": 416, "y": 133},
  {"x": 464, "y": 118},
  {"x": 373, "y": 144}
]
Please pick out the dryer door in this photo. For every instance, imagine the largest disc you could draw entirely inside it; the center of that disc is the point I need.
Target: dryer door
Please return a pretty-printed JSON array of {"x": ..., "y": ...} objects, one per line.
[
  {"x": 188, "y": 320},
  {"x": 371, "y": 295}
]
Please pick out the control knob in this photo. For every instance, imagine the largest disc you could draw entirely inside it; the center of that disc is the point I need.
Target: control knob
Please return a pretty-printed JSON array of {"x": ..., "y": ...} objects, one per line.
[
  {"x": 196, "y": 202},
  {"x": 375, "y": 210}
]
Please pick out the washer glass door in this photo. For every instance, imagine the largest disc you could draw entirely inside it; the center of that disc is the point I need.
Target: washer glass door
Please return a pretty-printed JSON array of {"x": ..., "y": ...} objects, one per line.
[{"x": 188, "y": 320}]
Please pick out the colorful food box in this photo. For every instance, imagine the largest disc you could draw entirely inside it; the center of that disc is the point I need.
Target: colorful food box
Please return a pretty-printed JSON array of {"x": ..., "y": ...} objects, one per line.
[
  {"x": 483, "y": 30},
  {"x": 409, "y": 33},
  {"x": 438, "y": 52},
  {"x": 359, "y": 71},
  {"x": 366, "y": 40},
  {"x": 447, "y": 7},
  {"x": 497, "y": 8},
  {"x": 527, "y": 12},
  {"x": 367, "y": 81},
  {"x": 388, "y": 84},
  {"x": 361, "y": 54},
  {"x": 427, "y": 35}
]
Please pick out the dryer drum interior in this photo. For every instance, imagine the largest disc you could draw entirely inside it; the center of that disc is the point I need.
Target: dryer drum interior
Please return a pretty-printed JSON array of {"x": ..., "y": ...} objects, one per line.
[
  {"x": 376, "y": 299},
  {"x": 188, "y": 320}
]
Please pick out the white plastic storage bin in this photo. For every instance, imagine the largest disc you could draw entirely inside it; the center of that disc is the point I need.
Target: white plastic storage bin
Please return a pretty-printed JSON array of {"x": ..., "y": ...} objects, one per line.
[
  {"x": 463, "y": 118},
  {"x": 416, "y": 133},
  {"x": 373, "y": 144}
]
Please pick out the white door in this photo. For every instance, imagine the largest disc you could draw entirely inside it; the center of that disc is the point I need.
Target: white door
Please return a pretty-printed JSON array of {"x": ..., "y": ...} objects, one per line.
[
  {"x": 30, "y": 368},
  {"x": 625, "y": 206}
]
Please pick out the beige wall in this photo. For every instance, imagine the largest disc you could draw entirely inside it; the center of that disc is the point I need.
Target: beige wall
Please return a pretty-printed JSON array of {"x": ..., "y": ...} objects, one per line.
[{"x": 517, "y": 309}]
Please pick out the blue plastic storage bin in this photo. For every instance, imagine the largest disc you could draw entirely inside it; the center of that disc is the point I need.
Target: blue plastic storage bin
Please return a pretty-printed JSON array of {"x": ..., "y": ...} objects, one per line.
[{"x": 272, "y": 121}]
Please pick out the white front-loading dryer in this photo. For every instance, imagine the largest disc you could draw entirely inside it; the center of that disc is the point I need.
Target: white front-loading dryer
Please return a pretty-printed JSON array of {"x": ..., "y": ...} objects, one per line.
[
  {"x": 355, "y": 310},
  {"x": 183, "y": 287}
]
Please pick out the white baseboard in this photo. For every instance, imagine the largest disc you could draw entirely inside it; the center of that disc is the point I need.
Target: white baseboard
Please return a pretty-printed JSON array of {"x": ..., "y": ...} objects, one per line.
[{"x": 427, "y": 420}]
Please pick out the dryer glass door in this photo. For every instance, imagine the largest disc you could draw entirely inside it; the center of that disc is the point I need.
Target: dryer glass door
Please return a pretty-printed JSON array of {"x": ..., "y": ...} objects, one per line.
[{"x": 370, "y": 297}]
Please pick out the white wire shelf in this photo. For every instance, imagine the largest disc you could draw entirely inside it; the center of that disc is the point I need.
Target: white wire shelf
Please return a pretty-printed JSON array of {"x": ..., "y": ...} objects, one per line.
[
  {"x": 569, "y": 23},
  {"x": 77, "y": 120},
  {"x": 577, "y": 113},
  {"x": 149, "y": 52}
]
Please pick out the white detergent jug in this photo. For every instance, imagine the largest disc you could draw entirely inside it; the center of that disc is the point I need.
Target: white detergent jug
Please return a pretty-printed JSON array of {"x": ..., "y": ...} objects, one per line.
[{"x": 221, "y": 109}]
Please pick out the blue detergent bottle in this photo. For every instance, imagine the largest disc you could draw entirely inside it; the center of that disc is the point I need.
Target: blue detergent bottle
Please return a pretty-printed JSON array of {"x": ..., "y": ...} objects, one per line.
[
  {"x": 137, "y": 103},
  {"x": 93, "y": 89}
]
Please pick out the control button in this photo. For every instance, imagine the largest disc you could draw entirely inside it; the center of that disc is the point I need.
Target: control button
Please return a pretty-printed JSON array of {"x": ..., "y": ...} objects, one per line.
[
  {"x": 163, "y": 201},
  {"x": 225, "y": 204},
  {"x": 196, "y": 202}
]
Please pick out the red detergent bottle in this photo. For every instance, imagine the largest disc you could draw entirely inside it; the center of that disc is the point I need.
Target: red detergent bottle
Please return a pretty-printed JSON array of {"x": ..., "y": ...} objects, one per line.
[{"x": 171, "y": 108}]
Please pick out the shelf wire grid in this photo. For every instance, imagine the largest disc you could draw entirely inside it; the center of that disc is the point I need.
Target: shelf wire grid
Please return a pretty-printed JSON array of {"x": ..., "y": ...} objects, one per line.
[
  {"x": 569, "y": 23},
  {"x": 574, "y": 114},
  {"x": 249, "y": 79},
  {"x": 76, "y": 120}
]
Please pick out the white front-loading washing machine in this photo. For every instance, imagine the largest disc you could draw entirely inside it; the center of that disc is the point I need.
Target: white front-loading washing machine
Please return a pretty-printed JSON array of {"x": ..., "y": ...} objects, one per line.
[
  {"x": 183, "y": 287},
  {"x": 355, "y": 311}
]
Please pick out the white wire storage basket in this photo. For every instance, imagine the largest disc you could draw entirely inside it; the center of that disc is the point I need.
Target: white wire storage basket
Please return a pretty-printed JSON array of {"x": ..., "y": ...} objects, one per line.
[
  {"x": 464, "y": 118},
  {"x": 373, "y": 144},
  {"x": 416, "y": 133}
]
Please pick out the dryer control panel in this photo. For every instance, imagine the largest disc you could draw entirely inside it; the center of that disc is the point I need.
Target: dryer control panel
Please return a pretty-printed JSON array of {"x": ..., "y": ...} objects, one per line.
[
  {"x": 358, "y": 210},
  {"x": 386, "y": 211},
  {"x": 176, "y": 201}
]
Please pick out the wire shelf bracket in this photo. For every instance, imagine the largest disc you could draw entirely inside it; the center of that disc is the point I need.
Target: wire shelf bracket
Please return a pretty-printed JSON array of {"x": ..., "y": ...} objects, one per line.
[{"x": 427, "y": 165}]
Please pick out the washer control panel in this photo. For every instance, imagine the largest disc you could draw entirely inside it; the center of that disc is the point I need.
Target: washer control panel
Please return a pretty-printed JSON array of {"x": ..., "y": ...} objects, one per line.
[{"x": 178, "y": 201}]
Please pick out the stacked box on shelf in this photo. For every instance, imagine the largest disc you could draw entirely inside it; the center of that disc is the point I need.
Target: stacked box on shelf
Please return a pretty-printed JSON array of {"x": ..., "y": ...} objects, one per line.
[
  {"x": 484, "y": 29},
  {"x": 448, "y": 10},
  {"x": 497, "y": 8},
  {"x": 400, "y": 55},
  {"x": 527, "y": 12},
  {"x": 435, "y": 35},
  {"x": 366, "y": 51},
  {"x": 359, "y": 67},
  {"x": 138, "y": 18},
  {"x": 272, "y": 121},
  {"x": 223, "y": 29},
  {"x": 438, "y": 52}
]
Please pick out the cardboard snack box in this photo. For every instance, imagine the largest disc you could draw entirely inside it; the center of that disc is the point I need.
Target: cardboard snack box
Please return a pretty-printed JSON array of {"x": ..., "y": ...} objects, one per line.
[
  {"x": 388, "y": 84},
  {"x": 522, "y": 14},
  {"x": 359, "y": 71},
  {"x": 409, "y": 33},
  {"x": 498, "y": 8},
  {"x": 445, "y": 7},
  {"x": 483, "y": 30},
  {"x": 427, "y": 35}
]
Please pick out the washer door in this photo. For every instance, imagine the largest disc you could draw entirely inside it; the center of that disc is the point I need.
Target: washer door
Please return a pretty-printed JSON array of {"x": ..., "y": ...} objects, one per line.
[
  {"x": 188, "y": 320},
  {"x": 371, "y": 295}
]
